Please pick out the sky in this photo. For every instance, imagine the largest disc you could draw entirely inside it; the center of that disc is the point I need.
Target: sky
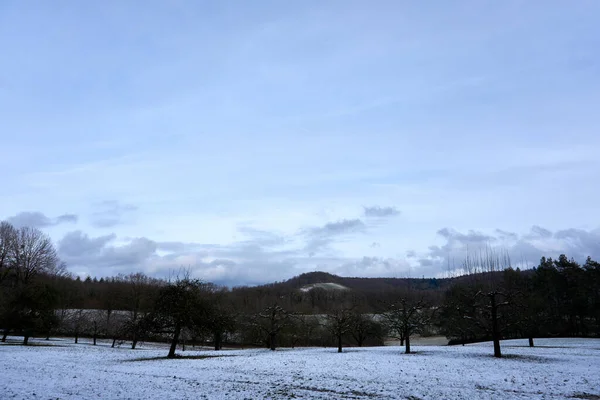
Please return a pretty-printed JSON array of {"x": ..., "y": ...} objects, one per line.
[{"x": 250, "y": 142}]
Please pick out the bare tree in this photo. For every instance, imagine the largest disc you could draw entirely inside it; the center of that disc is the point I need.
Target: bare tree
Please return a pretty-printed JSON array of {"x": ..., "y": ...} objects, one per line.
[
  {"x": 26, "y": 304},
  {"x": 308, "y": 330},
  {"x": 339, "y": 323},
  {"x": 407, "y": 316},
  {"x": 181, "y": 304},
  {"x": 97, "y": 319},
  {"x": 488, "y": 297},
  {"x": 221, "y": 318},
  {"x": 33, "y": 253},
  {"x": 77, "y": 322},
  {"x": 271, "y": 321},
  {"x": 138, "y": 297},
  {"x": 8, "y": 235},
  {"x": 363, "y": 326},
  {"x": 452, "y": 319}
]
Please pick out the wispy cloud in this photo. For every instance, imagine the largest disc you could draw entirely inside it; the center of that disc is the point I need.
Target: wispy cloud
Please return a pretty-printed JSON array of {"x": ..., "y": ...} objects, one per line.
[
  {"x": 338, "y": 228},
  {"x": 110, "y": 213},
  {"x": 380, "y": 212},
  {"x": 36, "y": 219}
]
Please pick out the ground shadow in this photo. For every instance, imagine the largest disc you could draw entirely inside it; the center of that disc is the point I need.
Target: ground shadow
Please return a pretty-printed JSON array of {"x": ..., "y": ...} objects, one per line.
[
  {"x": 524, "y": 357},
  {"x": 179, "y": 357},
  {"x": 586, "y": 396},
  {"x": 31, "y": 344}
]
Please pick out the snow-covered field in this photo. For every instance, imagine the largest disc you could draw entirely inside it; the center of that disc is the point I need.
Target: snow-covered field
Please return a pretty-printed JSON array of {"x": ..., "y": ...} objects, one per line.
[{"x": 555, "y": 369}]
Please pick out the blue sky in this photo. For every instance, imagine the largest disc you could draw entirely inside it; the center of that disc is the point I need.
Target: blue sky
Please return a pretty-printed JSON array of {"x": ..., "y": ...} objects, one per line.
[{"x": 254, "y": 141}]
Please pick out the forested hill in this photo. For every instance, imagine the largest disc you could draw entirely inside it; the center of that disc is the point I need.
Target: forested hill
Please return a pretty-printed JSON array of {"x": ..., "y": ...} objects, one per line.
[{"x": 365, "y": 284}]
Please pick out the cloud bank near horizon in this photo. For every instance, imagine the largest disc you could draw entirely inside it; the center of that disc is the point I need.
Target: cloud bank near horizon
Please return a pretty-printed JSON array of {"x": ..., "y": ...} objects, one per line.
[{"x": 268, "y": 256}]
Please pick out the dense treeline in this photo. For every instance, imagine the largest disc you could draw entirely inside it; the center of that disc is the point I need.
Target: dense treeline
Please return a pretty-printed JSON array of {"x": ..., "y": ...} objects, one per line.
[
  {"x": 490, "y": 301},
  {"x": 558, "y": 298}
]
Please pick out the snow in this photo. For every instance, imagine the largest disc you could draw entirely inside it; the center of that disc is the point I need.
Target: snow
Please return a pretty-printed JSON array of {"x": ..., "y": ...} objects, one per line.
[
  {"x": 555, "y": 369},
  {"x": 326, "y": 286}
]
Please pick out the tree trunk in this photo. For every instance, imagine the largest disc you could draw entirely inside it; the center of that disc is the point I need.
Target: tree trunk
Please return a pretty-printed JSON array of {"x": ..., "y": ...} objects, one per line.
[
  {"x": 134, "y": 338},
  {"x": 495, "y": 329},
  {"x": 401, "y": 341},
  {"x": 339, "y": 338},
  {"x": 4, "y": 335},
  {"x": 95, "y": 332},
  {"x": 217, "y": 341},
  {"x": 26, "y": 339},
  {"x": 76, "y": 338},
  {"x": 407, "y": 347},
  {"x": 530, "y": 342},
  {"x": 183, "y": 345},
  {"x": 174, "y": 342},
  {"x": 272, "y": 341},
  {"x": 497, "y": 351},
  {"x": 113, "y": 343},
  {"x": 108, "y": 314}
]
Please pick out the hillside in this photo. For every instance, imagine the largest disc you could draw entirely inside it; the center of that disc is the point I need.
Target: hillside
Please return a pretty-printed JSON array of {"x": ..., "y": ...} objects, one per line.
[
  {"x": 375, "y": 284},
  {"x": 361, "y": 284}
]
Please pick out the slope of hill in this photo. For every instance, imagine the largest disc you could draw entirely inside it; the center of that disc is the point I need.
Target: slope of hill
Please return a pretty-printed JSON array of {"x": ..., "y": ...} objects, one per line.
[
  {"x": 362, "y": 284},
  {"x": 378, "y": 284},
  {"x": 324, "y": 285}
]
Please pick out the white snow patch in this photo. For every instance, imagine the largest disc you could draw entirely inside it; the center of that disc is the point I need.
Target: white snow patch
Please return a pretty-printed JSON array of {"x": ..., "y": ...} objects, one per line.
[
  {"x": 555, "y": 369},
  {"x": 326, "y": 286}
]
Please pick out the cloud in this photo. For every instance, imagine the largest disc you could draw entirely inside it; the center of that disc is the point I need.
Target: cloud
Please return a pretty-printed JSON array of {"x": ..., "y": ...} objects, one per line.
[
  {"x": 178, "y": 246},
  {"x": 259, "y": 257},
  {"x": 262, "y": 256},
  {"x": 239, "y": 263},
  {"x": 539, "y": 232},
  {"x": 524, "y": 250},
  {"x": 373, "y": 267},
  {"x": 262, "y": 237},
  {"x": 342, "y": 227},
  {"x": 505, "y": 234},
  {"x": 78, "y": 244},
  {"x": 110, "y": 213},
  {"x": 67, "y": 218},
  {"x": 319, "y": 238},
  {"x": 471, "y": 237},
  {"x": 102, "y": 256},
  {"x": 380, "y": 212},
  {"x": 36, "y": 219},
  {"x": 426, "y": 262},
  {"x": 580, "y": 243},
  {"x": 32, "y": 219}
]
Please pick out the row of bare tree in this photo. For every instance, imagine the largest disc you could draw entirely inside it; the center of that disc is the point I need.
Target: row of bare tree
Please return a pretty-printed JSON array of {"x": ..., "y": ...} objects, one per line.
[{"x": 26, "y": 303}]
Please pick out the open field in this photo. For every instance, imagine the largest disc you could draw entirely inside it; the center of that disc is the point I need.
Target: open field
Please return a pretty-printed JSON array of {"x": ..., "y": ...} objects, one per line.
[{"x": 555, "y": 369}]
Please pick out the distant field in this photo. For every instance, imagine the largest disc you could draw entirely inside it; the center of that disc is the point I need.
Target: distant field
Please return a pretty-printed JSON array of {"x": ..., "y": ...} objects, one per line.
[{"x": 555, "y": 369}]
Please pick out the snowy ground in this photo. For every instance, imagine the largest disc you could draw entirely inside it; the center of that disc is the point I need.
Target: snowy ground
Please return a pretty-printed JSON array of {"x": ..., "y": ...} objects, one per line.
[{"x": 556, "y": 369}]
